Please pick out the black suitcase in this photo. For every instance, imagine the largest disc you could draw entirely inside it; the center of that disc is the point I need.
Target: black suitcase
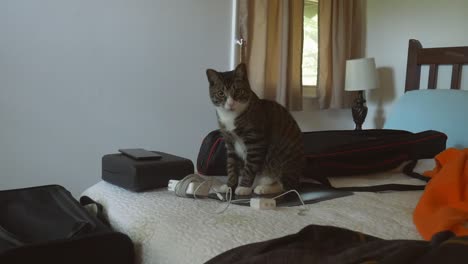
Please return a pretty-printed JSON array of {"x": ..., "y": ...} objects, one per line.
[
  {"x": 45, "y": 224},
  {"x": 212, "y": 156},
  {"x": 344, "y": 153}
]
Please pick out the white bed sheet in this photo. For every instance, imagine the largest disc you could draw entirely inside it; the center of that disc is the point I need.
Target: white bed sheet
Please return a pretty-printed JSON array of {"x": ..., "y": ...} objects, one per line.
[{"x": 169, "y": 229}]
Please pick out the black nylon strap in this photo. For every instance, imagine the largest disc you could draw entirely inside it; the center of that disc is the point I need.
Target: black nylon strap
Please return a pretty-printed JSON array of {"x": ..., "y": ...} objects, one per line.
[
  {"x": 408, "y": 170},
  {"x": 383, "y": 188}
]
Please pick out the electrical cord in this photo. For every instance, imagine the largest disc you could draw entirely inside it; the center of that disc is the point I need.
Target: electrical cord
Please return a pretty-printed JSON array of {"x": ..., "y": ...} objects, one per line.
[
  {"x": 228, "y": 194},
  {"x": 182, "y": 185},
  {"x": 304, "y": 208}
]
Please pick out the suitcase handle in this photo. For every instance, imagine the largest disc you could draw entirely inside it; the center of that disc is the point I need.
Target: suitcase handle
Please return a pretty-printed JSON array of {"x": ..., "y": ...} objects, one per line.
[{"x": 86, "y": 200}]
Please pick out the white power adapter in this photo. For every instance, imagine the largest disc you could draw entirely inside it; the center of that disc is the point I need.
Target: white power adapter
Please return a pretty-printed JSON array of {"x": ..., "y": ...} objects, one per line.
[
  {"x": 171, "y": 185},
  {"x": 262, "y": 203}
]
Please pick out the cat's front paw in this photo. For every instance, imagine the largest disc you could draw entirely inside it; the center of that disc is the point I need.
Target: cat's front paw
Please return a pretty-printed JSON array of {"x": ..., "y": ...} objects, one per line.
[
  {"x": 243, "y": 190},
  {"x": 268, "y": 189}
]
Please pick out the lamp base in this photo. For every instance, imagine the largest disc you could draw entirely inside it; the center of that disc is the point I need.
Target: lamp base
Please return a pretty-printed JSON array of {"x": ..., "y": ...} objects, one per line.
[{"x": 359, "y": 110}]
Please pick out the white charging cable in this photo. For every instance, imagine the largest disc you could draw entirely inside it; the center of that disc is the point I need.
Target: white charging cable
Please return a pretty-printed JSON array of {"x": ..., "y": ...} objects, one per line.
[
  {"x": 298, "y": 195},
  {"x": 304, "y": 208},
  {"x": 183, "y": 185},
  {"x": 228, "y": 197},
  {"x": 230, "y": 201}
]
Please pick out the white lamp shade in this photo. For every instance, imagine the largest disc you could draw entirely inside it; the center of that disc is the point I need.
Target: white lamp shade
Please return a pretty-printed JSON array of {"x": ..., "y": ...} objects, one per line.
[{"x": 361, "y": 74}]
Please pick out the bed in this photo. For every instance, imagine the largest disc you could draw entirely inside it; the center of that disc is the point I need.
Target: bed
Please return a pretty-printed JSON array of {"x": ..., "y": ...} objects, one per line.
[{"x": 170, "y": 229}]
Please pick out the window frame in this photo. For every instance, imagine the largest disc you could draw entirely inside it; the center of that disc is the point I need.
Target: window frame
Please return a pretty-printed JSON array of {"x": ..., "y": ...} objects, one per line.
[{"x": 310, "y": 91}]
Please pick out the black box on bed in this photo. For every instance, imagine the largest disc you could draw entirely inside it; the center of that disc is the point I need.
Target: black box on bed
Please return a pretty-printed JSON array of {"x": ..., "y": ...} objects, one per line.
[{"x": 140, "y": 175}]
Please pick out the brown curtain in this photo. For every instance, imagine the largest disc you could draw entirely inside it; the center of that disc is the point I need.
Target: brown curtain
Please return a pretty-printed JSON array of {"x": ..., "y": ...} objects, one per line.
[
  {"x": 340, "y": 39},
  {"x": 272, "y": 30}
]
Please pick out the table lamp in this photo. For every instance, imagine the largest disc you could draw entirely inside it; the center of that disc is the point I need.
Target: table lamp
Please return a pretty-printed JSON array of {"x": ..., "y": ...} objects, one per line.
[{"x": 361, "y": 75}]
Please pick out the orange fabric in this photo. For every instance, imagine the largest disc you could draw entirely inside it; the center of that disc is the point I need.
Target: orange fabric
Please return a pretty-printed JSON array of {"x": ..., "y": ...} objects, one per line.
[{"x": 444, "y": 203}]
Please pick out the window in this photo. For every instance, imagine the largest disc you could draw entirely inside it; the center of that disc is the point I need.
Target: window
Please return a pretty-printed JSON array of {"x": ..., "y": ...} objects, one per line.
[{"x": 310, "y": 49}]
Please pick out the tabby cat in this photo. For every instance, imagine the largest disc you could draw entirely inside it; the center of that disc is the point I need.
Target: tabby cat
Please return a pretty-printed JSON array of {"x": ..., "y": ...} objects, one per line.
[{"x": 264, "y": 143}]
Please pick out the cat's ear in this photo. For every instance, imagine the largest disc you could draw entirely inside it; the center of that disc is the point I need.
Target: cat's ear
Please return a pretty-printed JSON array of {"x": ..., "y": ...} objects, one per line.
[
  {"x": 241, "y": 71},
  {"x": 213, "y": 76}
]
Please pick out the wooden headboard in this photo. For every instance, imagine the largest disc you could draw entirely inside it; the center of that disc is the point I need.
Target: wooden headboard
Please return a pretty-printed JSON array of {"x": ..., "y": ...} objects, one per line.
[{"x": 417, "y": 56}]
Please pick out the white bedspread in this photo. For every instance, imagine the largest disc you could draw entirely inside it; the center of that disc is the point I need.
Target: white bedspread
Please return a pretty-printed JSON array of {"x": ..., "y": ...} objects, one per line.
[{"x": 169, "y": 229}]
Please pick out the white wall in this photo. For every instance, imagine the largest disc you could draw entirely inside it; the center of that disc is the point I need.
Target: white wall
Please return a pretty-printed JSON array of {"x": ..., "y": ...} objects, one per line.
[
  {"x": 311, "y": 119},
  {"x": 82, "y": 78},
  {"x": 390, "y": 24}
]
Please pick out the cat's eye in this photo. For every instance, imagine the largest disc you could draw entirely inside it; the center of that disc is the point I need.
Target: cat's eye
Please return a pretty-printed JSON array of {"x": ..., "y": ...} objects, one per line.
[
  {"x": 240, "y": 93},
  {"x": 220, "y": 93}
]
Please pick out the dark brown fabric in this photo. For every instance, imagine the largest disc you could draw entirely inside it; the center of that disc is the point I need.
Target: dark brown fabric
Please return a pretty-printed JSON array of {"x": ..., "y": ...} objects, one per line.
[
  {"x": 273, "y": 50},
  {"x": 326, "y": 244}
]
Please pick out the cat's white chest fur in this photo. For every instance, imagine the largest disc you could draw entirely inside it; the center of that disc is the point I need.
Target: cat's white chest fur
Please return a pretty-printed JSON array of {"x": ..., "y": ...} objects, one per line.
[
  {"x": 240, "y": 148},
  {"x": 227, "y": 118}
]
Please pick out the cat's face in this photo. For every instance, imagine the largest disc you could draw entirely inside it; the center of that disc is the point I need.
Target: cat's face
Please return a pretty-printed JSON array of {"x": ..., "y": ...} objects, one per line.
[{"x": 230, "y": 91}]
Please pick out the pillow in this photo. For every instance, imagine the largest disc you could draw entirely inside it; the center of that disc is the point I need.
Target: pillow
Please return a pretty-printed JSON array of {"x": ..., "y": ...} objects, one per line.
[{"x": 442, "y": 110}]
